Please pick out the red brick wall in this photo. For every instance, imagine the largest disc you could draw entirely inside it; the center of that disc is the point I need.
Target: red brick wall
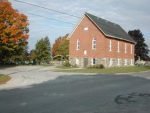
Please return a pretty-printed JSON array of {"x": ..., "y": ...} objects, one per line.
[{"x": 102, "y": 43}]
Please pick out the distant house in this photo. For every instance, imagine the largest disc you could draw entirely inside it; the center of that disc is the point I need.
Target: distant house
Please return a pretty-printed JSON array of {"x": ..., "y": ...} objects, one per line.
[{"x": 98, "y": 41}]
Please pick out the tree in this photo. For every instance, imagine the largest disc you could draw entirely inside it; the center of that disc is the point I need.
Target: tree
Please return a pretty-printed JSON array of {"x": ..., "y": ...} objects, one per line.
[
  {"x": 43, "y": 51},
  {"x": 141, "y": 48},
  {"x": 48, "y": 45},
  {"x": 61, "y": 47},
  {"x": 25, "y": 55},
  {"x": 13, "y": 32},
  {"x": 33, "y": 56}
]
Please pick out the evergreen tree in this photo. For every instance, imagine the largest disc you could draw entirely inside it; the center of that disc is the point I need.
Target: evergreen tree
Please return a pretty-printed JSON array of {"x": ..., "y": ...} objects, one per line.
[
  {"x": 43, "y": 51},
  {"x": 141, "y": 48}
]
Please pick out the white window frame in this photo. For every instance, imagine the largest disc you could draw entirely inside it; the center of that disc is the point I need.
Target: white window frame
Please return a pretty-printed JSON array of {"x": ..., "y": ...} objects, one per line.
[
  {"x": 85, "y": 52},
  {"x": 110, "y": 45},
  {"x": 110, "y": 62},
  {"x": 131, "y": 49},
  {"x": 132, "y": 62},
  {"x": 125, "y": 62},
  {"x": 125, "y": 48},
  {"x": 94, "y": 43},
  {"x": 118, "y": 61},
  {"x": 78, "y": 44},
  {"x": 92, "y": 61},
  {"x": 86, "y": 28},
  {"x": 77, "y": 61},
  {"x": 118, "y": 47}
]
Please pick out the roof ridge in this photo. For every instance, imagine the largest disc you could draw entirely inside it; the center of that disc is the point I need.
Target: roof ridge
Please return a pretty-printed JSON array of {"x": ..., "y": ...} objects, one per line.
[{"x": 86, "y": 13}]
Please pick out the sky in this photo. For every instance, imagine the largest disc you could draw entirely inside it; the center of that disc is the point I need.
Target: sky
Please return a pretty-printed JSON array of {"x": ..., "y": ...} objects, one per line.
[{"x": 130, "y": 14}]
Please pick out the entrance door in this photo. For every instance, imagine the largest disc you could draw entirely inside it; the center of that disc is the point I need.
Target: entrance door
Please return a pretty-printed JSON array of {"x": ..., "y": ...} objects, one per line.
[{"x": 85, "y": 62}]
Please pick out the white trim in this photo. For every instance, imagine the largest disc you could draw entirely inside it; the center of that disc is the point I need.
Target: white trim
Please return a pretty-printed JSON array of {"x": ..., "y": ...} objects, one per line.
[
  {"x": 110, "y": 62},
  {"x": 125, "y": 62},
  {"x": 78, "y": 44},
  {"x": 132, "y": 62},
  {"x": 85, "y": 52},
  {"x": 118, "y": 61},
  {"x": 131, "y": 49},
  {"x": 86, "y": 28},
  {"x": 76, "y": 26},
  {"x": 93, "y": 61},
  {"x": 118, "y": 47},
  {"x": 110, "y": 45},
  {"x": 77, "y": 61},
  {"x": 125, "y": 48},
  {"x": 94, "y": 43}
]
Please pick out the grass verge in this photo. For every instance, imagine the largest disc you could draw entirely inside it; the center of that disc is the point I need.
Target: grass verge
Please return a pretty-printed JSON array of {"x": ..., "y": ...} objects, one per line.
[
  {"x": 64, "y": 67},
  {"x": 4, "y": 79},
  {"x": 108, "y": 70}
]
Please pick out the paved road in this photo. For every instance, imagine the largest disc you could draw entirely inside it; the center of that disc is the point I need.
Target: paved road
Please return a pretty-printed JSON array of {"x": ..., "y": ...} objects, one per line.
[{"x": 80, "y": 94}]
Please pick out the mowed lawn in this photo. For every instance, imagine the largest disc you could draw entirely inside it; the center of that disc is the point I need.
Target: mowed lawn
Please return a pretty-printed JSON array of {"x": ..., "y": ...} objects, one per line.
[
  {"x": 106, "y": 70},
  {"x": 4, "y": 79}
]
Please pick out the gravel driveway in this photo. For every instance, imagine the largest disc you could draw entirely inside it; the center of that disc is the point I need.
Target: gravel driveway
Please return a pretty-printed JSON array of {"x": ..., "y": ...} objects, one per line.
[{"x": 26, "y": 76}]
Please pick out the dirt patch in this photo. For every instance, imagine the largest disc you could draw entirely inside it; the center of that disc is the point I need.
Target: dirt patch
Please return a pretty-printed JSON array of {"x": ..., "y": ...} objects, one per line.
[{"x": 4, "y": 79}]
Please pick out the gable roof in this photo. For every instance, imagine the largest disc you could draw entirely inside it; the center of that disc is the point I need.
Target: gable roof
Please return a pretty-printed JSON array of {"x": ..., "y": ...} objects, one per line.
[{"x": 110, "y": 29}]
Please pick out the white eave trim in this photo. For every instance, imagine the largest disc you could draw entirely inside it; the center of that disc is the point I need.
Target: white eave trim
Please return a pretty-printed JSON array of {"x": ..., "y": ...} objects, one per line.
[{"x": 75, "y": 27}]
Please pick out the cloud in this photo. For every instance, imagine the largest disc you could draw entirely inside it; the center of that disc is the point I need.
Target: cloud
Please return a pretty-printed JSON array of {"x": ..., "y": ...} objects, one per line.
[{"x": 130, "y": 14}]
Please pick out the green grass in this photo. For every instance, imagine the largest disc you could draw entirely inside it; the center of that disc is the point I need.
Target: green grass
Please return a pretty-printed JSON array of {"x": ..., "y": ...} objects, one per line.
[
  {"x": 4, "y": 78},
  {"x": 64, "y": 67},
  {"x": 108, "y": 70}
]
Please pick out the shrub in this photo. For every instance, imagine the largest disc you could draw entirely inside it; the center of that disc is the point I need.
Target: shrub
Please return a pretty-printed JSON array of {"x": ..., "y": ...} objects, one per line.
[
  {"x": 58, "y": 58},
  {"x": 66, "y": 64},
  {"x": 98, "y": 66}
]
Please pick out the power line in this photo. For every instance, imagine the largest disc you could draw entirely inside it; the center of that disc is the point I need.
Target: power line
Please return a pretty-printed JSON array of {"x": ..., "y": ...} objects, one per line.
[
  {"x": 51, "y": 18},
  {"x": 46, "y": 8}
]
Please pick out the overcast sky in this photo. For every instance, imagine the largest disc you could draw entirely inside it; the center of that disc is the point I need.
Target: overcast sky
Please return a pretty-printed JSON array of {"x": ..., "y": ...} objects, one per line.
[{"x": 130, "y": 14}]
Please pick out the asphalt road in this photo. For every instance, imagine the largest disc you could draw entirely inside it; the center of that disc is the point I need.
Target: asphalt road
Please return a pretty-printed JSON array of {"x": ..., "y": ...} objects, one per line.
[{"x": 81, "y": 94}]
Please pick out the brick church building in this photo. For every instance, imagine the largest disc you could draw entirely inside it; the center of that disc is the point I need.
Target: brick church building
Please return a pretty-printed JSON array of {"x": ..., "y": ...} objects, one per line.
[{"x": 99, "y": 41}]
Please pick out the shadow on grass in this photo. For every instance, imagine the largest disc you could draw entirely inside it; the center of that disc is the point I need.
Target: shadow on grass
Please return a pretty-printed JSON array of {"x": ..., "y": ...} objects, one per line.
[{"x": 7, "y": 66}]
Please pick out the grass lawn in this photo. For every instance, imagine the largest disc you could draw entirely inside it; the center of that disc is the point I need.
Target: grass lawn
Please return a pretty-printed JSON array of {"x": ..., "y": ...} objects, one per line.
[
  {"x": 107, "y": 70},
  {"x": 4, "y": 78},
  {"x": 64, "y": 67}
]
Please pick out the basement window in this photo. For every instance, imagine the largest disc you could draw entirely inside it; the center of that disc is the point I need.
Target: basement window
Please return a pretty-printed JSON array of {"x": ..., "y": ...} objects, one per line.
[
  {"x": 125, "y": 62},
  {"x": 118, "y": 62},
  {"x": 93, "y": 61}
]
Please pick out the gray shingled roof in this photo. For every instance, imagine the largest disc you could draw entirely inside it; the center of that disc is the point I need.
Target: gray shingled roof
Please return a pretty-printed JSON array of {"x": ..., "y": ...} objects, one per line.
[{"x": 110, "y": 29}]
